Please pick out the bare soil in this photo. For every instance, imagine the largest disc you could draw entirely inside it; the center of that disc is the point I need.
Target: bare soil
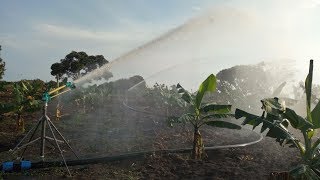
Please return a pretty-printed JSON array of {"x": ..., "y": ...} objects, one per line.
[{"x": 251, "y": 162}]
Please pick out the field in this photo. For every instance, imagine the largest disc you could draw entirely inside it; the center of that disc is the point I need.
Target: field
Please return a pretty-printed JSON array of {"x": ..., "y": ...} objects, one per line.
[
  {"x": 91, "y": 139},
  {"x": 161, "y": 132}
]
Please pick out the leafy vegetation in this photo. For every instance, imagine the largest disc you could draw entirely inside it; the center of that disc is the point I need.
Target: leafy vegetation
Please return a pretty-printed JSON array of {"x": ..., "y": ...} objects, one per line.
[
  {"x": 98, "y": 96},
  {"x": 2, "y": 65},
  {"x": 276, "y": 118},
  {"x": 200, "y": 113},
  {"x": 193, "y": 107},
  {"x": 163, "y": 98},
  {"x": 26, "y": 98},
  {"x": 22, "y": 97},
  {"x": 76, "y": 64}
]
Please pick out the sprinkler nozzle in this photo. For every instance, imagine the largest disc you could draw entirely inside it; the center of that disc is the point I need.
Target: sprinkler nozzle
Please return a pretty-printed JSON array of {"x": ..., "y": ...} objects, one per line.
[
  {"x": 46, "y": 97},
  {"x": 70, "y": 85}
]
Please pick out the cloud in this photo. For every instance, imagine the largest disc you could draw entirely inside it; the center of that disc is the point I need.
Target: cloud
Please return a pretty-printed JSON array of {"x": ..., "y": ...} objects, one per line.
[
  {"x": 22, "y": 43},
  {"x": 112, "y": 41},
  {"x": 286, "y": 28},
  {"x": 78, "y": 33},
  {"x": 196, "y": 8},
  {"x": 8, "y": 40},
  {"x": 131, "y": 32}
]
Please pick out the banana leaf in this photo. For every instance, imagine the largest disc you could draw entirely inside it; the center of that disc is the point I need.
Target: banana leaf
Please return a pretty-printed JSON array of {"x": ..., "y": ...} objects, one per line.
[
  {"x": 215, "y": 108},
  {"x": 207, "y": 85},
  {"x": 276, "y": 129},
  {"x": 297, "y": 121},
  {"x": 304, "y": 171},
  {"x": 188, "y": 117}
]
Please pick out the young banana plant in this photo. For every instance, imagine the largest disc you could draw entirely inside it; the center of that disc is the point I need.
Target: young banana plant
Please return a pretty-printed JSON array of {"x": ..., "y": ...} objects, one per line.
[
  {"x": 23, "y": 101},
  {"x": 276, "y": 118},
  {"x": 200, "y": 113}
]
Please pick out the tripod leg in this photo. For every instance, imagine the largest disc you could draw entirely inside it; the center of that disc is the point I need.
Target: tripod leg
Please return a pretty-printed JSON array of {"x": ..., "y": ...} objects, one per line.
[
  {"x": 34, "y": 128},
  {"x": 49, "y": 138},
  {"x": 34, "y": 132},
  {"x": 33, "y": 141},
  {"x": 43, "y": 135},
  {"x": 50, "y": 122},
  {"x": 55, "y": 139}
]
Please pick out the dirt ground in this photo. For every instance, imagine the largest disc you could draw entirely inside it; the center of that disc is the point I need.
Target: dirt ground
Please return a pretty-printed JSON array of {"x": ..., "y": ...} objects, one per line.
[{"x": 251, "y": 162}]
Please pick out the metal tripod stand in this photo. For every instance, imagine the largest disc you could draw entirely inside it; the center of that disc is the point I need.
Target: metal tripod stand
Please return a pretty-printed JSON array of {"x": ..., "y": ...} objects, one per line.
[{"x": 43, "y": 121}]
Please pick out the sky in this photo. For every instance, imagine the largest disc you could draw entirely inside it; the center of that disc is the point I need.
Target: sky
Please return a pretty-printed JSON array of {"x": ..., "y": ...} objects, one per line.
[{"x": 37, "y": 33}]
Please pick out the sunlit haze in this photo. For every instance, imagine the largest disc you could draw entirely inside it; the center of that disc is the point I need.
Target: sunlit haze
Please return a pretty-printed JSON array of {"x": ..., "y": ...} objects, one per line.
[{"x": 39, "y": 33}]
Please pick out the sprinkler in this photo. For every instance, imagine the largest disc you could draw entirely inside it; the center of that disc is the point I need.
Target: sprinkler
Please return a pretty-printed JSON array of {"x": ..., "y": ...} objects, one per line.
[{"x": 43, "y": 122}]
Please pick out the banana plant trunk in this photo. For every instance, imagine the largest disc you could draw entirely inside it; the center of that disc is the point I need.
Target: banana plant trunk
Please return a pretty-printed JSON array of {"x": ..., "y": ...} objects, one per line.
[
  {"x": 198, "y": 148},
  {"x": 20, "y": 123}
]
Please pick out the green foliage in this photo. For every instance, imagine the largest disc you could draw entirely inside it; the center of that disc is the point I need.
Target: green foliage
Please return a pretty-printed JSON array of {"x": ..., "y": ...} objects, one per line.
[
  {"x": 26, "y": 97},
  {"x": 58, "y": 70},
  {"x": 6, "y": 107},
  {"x": 98, "y": 96},
  {"x": 208, "y": 85},
  {"x": 86, "y": 99},
  {"x": 2, "y": 66},
  {"x": 277, "y": 118},
  {"x": 163, "y": 97},
  {"x": 315, "y": 114},
  {"x": 76, "y": 64},
  {"x": 4, "y": 86},
  {"x": 202, "y": 114},
  {"x": 51, "y": 85}
]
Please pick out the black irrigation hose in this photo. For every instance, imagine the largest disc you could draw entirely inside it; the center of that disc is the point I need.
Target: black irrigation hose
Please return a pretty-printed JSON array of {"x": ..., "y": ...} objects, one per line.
[
  {"x": 132, "y": 155},
  {"x": 43, "y": 164},
  {"x": 136, "y": 154},
  {"x": 106, "y": 159}
]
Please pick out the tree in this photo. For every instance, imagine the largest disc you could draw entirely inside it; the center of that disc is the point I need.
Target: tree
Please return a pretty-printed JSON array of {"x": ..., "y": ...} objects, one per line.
[
  {"x": 57, "y": 70},
  {"x": 2, "y": 66},
  {"x": 76, "y": 64}
]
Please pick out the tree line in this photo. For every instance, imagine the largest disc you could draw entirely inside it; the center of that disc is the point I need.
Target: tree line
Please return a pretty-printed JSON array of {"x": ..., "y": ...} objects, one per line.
[
  {"x": 2, "y": 66},
  {"x": 74, "y": 65},
  {"x": 77, "y": 64}
]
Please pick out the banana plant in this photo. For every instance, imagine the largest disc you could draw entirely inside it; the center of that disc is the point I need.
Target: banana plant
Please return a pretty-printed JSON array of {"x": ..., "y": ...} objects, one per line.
[
  {"x": 200, "y": 113},
  {"x": 276, "y": 118},
  {"x": 23, "y": 101}
]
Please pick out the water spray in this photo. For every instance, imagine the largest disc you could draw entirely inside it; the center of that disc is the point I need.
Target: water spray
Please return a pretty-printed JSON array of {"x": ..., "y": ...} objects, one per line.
[{"x": 43, "y": 121}]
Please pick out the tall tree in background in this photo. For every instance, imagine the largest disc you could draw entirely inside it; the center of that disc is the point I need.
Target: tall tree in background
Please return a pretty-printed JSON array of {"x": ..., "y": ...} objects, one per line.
[
  {"x": 57, "y": 70},
  {"x": 76, "y": 64},
  {"x": 2, "y": 65}
]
